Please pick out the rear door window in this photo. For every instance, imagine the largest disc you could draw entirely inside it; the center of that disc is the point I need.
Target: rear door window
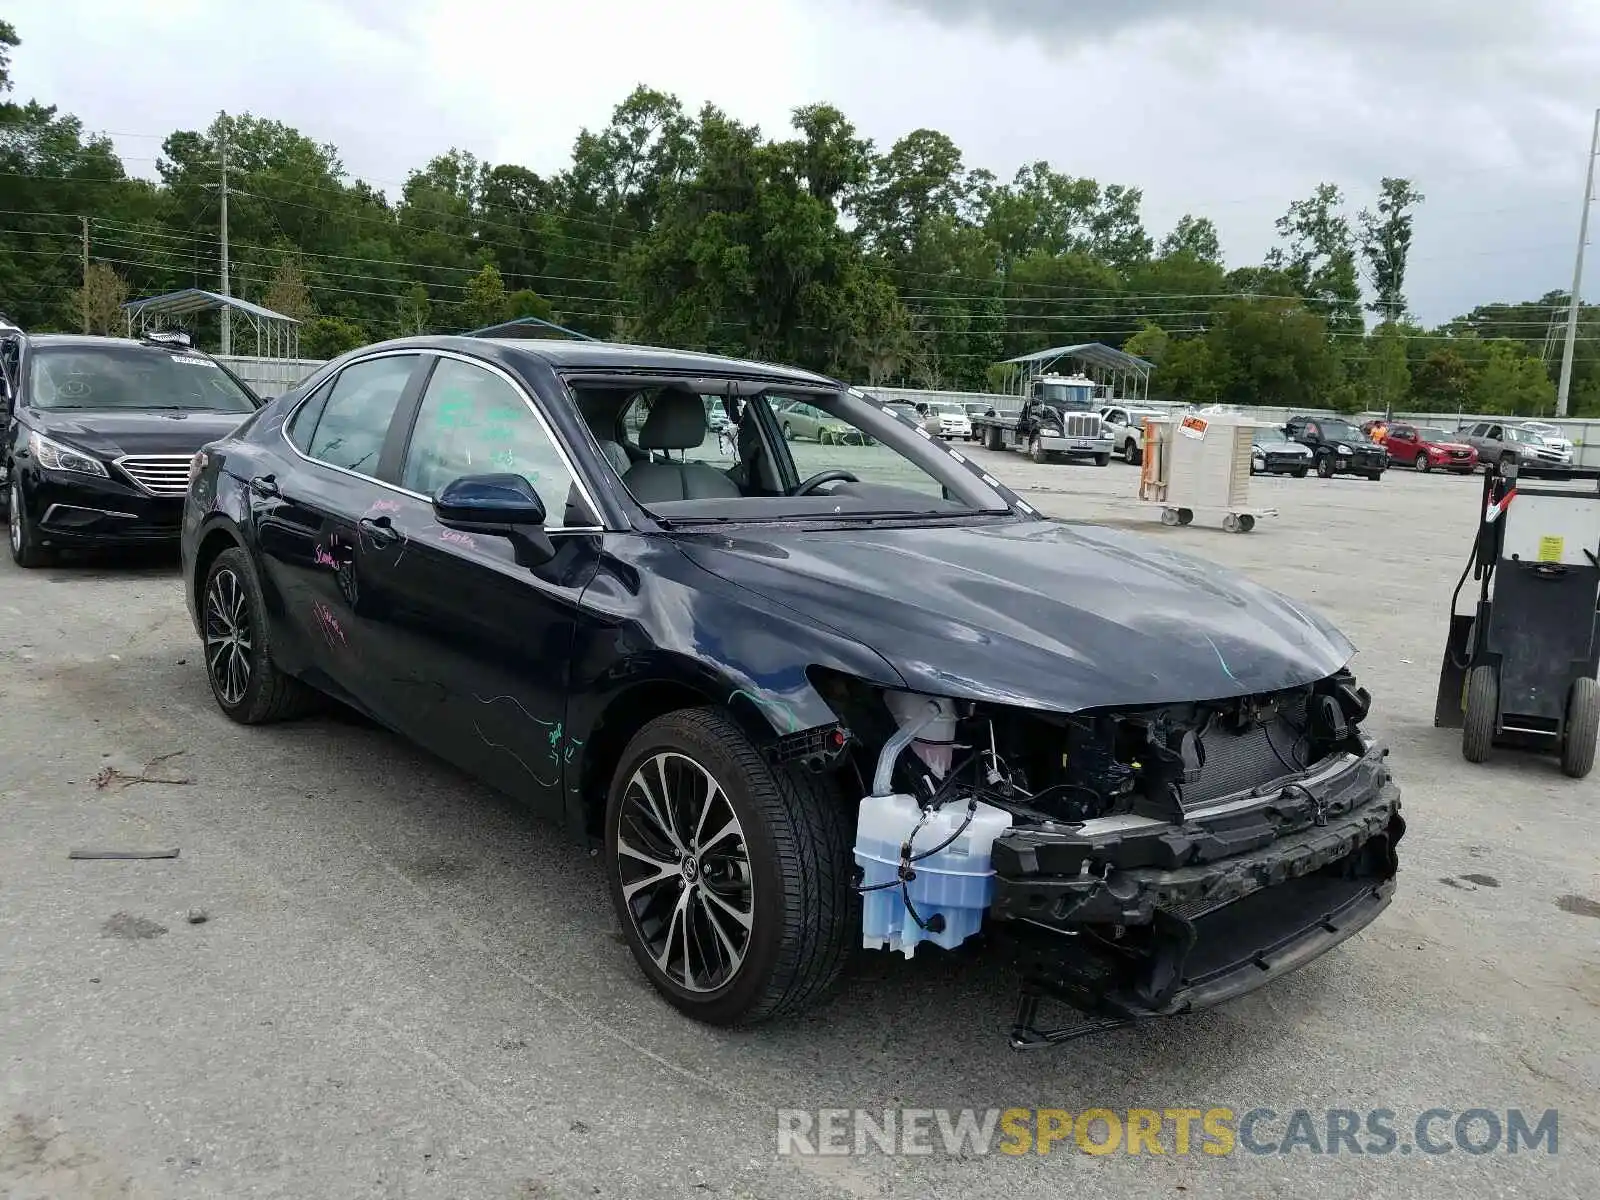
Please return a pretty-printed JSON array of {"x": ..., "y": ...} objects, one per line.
[{"x": 355, "y": 421}]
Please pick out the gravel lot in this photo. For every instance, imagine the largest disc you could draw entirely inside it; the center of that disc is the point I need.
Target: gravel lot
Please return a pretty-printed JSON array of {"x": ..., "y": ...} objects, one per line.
[{"x": 406, "y": 988}]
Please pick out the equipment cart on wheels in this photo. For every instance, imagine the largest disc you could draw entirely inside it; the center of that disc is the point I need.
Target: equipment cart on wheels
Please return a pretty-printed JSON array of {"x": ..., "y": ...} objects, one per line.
[
  {"x": 1200, "y": 462},
  {"x": 1520, "y": 669}
]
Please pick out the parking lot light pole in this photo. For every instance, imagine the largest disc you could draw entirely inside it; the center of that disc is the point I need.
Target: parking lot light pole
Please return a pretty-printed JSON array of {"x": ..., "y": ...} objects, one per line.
[{"x": 1577, "y": 276}]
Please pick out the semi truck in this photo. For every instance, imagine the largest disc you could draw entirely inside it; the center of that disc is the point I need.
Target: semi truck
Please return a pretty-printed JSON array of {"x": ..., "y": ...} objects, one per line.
[{"x": 1059, "y": 419}]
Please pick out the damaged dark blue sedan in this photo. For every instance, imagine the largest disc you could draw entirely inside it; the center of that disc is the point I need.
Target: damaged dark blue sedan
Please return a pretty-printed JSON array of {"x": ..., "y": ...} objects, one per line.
[{"x": 805, "y": 697}]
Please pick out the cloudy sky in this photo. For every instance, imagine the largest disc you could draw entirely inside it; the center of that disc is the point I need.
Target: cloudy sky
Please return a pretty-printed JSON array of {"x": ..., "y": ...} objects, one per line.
[{"x": 1226, "y": 108}]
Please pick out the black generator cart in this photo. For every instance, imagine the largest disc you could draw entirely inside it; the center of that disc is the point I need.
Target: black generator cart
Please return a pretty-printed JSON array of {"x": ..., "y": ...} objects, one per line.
[{"x": 1519, "y": 670}]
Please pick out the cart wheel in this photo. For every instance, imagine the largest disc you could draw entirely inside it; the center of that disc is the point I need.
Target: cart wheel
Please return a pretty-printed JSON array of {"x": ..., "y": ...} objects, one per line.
[
  {"x": 1583, "y": 724},
  {"x": 1246, "y": 522},
  {"x": 1231, "y": 523},
  {"x": 1185, "y": 515},
  {"x": 1169, "y": 516},
  {"x": 1482, "y": 714}
]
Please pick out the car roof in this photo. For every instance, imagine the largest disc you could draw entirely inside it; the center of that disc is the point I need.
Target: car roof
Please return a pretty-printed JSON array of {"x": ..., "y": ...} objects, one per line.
[
  {"x": 585, "y": 355},
  {"x": 90, "y": 341}
]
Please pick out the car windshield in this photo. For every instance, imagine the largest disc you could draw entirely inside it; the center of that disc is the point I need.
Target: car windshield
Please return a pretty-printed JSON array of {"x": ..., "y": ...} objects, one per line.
[
  {"x": 1340, "y": 431},
  {"x": 1265, "y": 436},
  {"x": 948, "y": 409},
  {"x": 1525, "y": 436},
  {"x": 132, "y": 377},
  {"x": 814, "y": 456},
  {"x": 1541, "y": 428},
  {"x": 1431, "y": 434}
]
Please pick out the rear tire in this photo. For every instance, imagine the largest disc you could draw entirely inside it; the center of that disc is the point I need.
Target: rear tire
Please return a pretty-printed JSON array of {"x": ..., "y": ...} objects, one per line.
[
  {"x": 785, "y": 867},
  {"x": 247, "y": 684},
  {"x": 1583, "y": 726},
  {"x": 1185, "y": 515},
  {"x": 788, "y": 432},
  {"x": 1482, "y": 714}
]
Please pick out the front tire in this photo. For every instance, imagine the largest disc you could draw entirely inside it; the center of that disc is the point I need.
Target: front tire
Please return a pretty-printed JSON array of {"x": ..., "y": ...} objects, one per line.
[
  {"x": 1133, "y": 452},
  {"x": 1481, "y": 718},
  {"x": 23, "y": 533},
  {"x": 1325, "y": 467},
  {"x": 1582, "y": 728},
  {"x": 1101, "y": 460},
  {"x": 1038, "y": 453},
  {"x": 247, "y": 684},
  {"x": 1421, "y": 463},
  {"x": 732, "y": 879}
]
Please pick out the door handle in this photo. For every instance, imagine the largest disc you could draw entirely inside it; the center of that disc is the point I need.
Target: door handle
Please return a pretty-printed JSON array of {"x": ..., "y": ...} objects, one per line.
[
  {"x": 265, "y": 486},
  {"x": 379, "y": 530}
]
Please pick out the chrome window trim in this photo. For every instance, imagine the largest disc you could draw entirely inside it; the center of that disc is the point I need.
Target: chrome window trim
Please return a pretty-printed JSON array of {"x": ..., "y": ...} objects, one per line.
[{"x": 577, "y": 478}]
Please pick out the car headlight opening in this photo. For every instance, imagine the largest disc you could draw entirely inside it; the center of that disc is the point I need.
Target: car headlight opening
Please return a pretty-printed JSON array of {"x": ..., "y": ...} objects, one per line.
[{"x": 56, "y": 457}]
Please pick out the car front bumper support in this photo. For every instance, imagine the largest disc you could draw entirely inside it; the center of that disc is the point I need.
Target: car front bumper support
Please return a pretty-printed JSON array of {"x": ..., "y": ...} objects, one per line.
[{"x": 1200, "y": 914}]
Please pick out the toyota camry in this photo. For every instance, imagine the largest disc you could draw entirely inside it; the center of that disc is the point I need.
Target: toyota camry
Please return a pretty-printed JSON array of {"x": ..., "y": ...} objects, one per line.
[{"x": 802, "y": 698}]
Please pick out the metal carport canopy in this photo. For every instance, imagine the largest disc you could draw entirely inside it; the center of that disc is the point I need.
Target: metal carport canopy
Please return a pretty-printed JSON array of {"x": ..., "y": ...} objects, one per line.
[
  {"x": 194, "y": 300},
  {"x": 1095, "y": 353}
]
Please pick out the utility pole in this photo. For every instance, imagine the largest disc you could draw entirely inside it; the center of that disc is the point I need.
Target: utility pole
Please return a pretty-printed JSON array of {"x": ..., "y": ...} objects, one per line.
[
  {"x": 84, "y": 224},
  {"x": 1565, "y": 387},
  {"x": 227, "y": 314}
]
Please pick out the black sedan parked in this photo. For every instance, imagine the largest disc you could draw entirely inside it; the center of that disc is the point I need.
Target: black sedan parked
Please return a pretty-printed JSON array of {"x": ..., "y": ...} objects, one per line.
[
  {"x": 99, "y": 436},
  {"x": 710, "y": 659}
]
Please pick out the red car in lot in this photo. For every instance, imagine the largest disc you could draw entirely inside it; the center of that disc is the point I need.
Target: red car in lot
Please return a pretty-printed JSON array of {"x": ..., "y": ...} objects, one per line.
[{"x": 1429, "y": 448}]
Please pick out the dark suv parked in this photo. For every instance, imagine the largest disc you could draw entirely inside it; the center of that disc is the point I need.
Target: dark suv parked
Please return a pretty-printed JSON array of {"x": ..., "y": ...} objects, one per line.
[{"x": 1337, "y": 447}]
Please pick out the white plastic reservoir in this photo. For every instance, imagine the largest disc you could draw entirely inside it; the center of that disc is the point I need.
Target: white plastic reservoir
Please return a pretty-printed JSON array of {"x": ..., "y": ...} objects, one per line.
[{"x": 956, "y": 884}]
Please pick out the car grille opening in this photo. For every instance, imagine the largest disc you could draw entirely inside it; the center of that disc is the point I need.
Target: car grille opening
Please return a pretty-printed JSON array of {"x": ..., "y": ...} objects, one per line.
[
  {"x": 158, "y": 474},
  {"x": 1083, "y": 427}
]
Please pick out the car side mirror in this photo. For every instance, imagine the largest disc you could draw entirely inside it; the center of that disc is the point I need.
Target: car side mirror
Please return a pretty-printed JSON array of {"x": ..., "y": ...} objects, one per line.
[{"x": 500, "y": 505}]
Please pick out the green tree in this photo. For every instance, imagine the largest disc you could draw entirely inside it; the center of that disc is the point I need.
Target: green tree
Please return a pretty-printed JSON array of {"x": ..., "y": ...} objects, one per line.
[
  {"x": 329, "y": 337},
  {"x": 485, "y": 301},
  {"x": 1511, "y": 382},
  {"x": 1386, "y": 245},
  {"x": 1150, "y": 343},
  {"x": 1441, "y": 381},
  {"x": 1318, "y": 256},
  {"x": 1279, "y": 351},
  {"x": 100, "y": 299},
  {"x": 1195, "y": 370},
  {"x": 1385, "y": 375},
  {"x": 287, "y": 293},
  {"x": 414, "y": 313}
]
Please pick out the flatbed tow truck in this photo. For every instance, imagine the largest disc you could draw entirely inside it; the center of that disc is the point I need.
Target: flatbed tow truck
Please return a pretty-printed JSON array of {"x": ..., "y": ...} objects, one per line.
[{"x": 1060, "y": 418}]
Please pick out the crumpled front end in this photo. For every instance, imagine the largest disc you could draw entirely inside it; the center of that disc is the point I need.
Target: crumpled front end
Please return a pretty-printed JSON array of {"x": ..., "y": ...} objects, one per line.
[
  {"x": 1143, "y": 862},
  {"x": 1134, "y": 919}
]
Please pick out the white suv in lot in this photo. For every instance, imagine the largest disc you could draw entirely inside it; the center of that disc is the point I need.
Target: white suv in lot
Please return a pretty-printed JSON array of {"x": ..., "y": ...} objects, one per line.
[
  {"x": 952, "y": 418},
  {"x": 1553, "y": 437},
  {"x": 1124, "y": 425}
]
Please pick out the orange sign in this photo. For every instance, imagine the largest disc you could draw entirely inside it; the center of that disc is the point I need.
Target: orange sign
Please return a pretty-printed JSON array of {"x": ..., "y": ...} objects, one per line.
[{"x": 1194, "y": 427}]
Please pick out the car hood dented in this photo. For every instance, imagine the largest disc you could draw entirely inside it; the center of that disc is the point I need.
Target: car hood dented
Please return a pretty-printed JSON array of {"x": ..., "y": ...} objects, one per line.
[{"x": 1046, "y": 615}]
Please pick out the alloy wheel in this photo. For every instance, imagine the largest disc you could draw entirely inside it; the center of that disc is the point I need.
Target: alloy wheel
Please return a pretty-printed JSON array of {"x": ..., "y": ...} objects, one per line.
[
  {"x": 228, "y": 637},
  {"x": 14, "y": 519},
  {"x": 685, "y": 872}
]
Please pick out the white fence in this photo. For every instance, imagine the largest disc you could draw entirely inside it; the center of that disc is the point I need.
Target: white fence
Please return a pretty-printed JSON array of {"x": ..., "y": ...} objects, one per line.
[{"x": 273, "y": 376}]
